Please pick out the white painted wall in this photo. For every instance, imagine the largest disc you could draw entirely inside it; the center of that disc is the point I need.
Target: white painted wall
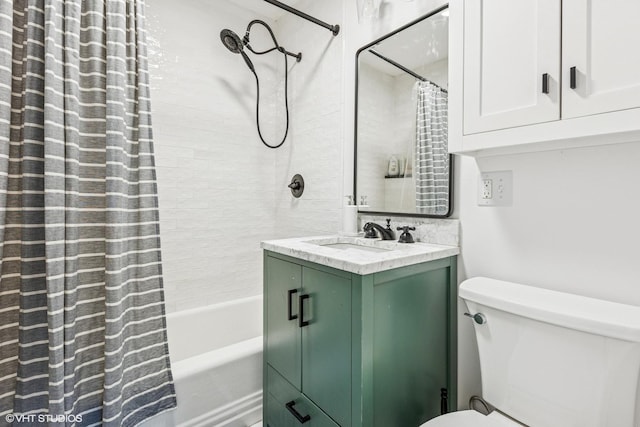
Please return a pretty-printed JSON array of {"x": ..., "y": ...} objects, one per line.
[
  {"x": 315, "y": 144},
  {"x": 215, "y": 179},
  {"x": 573, "y": 227}
]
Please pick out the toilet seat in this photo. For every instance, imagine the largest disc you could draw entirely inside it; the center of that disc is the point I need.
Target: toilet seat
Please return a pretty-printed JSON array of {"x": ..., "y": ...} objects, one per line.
[{"x": 471, "y": 418}]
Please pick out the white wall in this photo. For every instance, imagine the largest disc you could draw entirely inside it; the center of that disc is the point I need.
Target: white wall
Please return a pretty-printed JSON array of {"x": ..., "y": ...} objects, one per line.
[
  {"x": 573, "y": 227},
  {"x": 215, "y": 179},
  {"x": 315, "y": 144}
]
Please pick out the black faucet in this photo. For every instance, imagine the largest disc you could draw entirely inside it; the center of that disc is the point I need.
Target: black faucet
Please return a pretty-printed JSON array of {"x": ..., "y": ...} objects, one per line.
[{"x": 385, "y": 233}]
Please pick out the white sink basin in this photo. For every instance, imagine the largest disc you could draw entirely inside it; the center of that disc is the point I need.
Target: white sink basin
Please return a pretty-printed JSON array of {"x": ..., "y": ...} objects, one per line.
[{"x": 345, "y": 246}]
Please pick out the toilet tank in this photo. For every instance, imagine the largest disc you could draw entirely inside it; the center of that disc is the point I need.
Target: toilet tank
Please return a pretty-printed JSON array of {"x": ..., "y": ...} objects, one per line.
[{"x": 552, "y": 359}]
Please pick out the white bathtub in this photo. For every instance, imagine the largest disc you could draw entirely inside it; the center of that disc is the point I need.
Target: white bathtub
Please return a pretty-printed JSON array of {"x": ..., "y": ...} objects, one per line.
[{"x": 216, "y": 359}]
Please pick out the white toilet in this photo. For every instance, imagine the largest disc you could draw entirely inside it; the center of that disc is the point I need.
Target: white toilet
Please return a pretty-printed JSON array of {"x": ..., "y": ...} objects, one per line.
[{"x": 551, "y": 359}]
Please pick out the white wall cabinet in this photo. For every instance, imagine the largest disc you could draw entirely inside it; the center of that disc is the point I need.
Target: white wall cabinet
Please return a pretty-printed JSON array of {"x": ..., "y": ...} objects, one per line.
[
  {"x": 601, "y": 39},
  {"x": 510, "y": 47},
  {"x": 536, "y": 75}
]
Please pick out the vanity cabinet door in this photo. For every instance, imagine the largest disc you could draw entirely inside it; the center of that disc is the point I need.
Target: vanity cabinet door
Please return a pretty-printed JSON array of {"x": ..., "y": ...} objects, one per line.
[
  {"x": 282, "y": 332},
  {"x": 511, "y": 63},
  {"x": 600, "y": 41},
  {"x": 411, "y": 352},
  {"x": 326, "y": 343}
]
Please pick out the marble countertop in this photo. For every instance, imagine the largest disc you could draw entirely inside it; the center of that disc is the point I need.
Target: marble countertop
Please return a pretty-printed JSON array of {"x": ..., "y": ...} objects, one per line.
[{"x": 359, "y": 259}]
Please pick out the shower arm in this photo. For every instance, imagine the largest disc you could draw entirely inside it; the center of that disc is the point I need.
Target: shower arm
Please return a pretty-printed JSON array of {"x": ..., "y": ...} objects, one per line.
[
  {"x": 335, "y": 29},
  {"x": 280, "y": 49}
]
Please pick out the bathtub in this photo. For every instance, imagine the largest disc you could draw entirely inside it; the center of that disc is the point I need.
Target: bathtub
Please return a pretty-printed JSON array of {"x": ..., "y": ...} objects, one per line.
[{"x": 216, "y": 359}]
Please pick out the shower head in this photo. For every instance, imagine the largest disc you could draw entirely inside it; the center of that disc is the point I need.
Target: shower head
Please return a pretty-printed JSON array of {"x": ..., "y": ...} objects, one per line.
[
  {"x": 232, "y": 42},
  {"x": 236, "y": 45}
]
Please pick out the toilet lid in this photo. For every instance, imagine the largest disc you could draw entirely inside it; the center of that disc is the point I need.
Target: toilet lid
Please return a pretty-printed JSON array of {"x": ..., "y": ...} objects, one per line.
[{"x": 470, "y": 419}]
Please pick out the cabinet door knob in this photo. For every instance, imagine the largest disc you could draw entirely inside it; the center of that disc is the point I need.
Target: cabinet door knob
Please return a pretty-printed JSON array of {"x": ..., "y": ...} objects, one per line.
[
  {"x": 573, "y": 77},
  {"x": 545, "y": 83},
  {"x": 295, "y": 413},
  {"x": 290, "y": 315}
]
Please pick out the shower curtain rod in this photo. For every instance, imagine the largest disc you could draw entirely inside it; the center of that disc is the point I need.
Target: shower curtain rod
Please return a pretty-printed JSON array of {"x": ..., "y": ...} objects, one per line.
[
  {"x": 406, "y": 70},
  {"x": 335, "y": 29}
]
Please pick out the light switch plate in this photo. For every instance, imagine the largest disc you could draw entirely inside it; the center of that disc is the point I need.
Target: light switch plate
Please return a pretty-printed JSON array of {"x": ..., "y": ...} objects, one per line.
[{"x": 495, "y": 188}]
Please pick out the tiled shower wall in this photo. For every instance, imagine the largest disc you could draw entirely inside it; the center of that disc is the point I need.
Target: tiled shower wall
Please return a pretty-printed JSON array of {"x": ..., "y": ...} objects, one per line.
[
  {"x": 315, "y": 144},
  {"x": 215, "y": 179},
  {"x": 320, "y": 144}
]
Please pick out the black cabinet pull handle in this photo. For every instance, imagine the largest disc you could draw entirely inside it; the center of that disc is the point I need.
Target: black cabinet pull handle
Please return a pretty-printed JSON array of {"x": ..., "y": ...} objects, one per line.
[
  {"x": 290, "y": 315},
  {"x": 299, "y": 417},
  {"x": 302, "y": 323},
  {"x": 545, "y": 83},
  {"x": 573, "y": 78}
]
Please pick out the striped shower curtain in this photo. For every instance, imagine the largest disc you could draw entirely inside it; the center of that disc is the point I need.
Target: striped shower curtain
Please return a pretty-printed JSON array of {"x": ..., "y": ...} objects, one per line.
[
  {"x": 82, "y": 322},
  {"x": 432, "y": 158}
]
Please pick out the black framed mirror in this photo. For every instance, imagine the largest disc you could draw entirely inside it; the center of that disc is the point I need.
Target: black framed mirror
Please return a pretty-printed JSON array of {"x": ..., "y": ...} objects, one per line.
[{"x": 401, "y": 160}]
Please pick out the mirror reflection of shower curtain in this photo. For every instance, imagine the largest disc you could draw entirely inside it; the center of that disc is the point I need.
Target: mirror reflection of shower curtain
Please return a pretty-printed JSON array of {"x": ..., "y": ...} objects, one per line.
[{"x": 432, "y": 158}]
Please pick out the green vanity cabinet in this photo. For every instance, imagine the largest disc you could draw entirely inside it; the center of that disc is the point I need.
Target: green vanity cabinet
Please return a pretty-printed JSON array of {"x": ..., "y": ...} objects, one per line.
[
  {"x": 350, "y": 350},
  {"x": 316, "y": 356}
]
